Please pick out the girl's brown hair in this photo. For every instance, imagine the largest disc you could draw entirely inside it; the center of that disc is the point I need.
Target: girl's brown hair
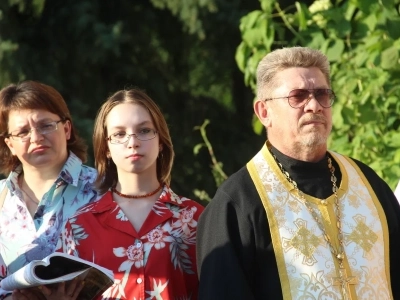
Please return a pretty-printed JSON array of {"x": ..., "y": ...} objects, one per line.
[{"x": 107, "y": 170}]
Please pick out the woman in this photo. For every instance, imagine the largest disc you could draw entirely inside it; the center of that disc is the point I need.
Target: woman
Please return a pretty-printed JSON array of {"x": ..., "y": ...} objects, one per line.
[
  {"x": 140, "y": 228},
  {"x": 42, "y": 155}
]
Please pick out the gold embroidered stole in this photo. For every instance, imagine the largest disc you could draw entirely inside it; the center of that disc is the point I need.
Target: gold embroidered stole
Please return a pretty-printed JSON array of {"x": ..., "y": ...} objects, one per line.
[{"x": 306, "y": 267}]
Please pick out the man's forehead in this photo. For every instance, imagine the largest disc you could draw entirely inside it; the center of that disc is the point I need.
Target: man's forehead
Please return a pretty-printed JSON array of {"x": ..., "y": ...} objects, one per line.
[{"x": 292, "y": 78}]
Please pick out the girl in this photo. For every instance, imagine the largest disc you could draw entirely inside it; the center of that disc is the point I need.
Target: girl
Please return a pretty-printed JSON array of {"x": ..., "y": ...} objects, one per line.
[{"x": 140, "y": 228}]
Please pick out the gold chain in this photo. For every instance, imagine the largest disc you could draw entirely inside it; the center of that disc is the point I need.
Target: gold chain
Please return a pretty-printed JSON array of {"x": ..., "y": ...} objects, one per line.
[
  {"x": 343, "y": 281},
  {"x": 338, "y": 253}
]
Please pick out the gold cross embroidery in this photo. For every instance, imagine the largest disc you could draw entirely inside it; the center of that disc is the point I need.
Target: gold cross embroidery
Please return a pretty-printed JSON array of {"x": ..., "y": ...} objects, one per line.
[{"x": 344, "y": 282}]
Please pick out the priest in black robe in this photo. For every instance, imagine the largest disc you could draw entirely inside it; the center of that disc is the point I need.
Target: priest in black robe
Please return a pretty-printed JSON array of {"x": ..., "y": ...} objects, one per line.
[{"x": 299, "y": 221}]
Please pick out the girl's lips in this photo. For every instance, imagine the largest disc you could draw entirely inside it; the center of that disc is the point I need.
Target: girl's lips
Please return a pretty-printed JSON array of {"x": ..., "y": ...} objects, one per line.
[{"x": 135, "y": 156}]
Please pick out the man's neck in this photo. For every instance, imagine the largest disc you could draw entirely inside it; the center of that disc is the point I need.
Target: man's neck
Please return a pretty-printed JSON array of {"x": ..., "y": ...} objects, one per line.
[
  {"x": 303, "y": 153},
  {"x": 312, "y": 178}
]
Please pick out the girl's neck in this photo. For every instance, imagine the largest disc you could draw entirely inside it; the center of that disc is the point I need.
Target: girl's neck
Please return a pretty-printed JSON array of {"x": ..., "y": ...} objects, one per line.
[{"x": 137, "y": 184}]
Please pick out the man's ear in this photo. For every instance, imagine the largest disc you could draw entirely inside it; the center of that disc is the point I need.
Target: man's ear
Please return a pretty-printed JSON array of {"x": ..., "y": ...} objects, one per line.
[{"x": 263, "y": 112}]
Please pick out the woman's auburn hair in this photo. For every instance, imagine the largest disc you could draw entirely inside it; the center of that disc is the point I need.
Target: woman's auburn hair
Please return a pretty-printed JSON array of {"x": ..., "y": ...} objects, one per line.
[
  {"x": 36, "y": 96},
  {"x": 106, "y": 168}
]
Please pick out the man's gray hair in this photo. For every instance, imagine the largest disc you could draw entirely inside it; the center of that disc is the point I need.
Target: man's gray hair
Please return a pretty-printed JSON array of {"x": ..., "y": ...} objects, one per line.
[{"x": 281, "y": 59}]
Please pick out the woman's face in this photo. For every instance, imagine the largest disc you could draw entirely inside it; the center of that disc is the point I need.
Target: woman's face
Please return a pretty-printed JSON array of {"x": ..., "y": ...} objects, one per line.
[
  {"x": 134, "y": 155},
  {"x": 39, "y": 150}
]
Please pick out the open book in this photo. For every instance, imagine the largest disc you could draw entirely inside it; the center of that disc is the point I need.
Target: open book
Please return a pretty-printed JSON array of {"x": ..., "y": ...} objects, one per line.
[{"x": 58, "y": 267}]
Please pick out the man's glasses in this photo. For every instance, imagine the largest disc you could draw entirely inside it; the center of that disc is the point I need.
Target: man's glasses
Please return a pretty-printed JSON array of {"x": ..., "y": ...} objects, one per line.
[
  {"x": 121, "y": 137},
  {"x": 299, "y": 97},
  {"x": 25, "y": 134}
]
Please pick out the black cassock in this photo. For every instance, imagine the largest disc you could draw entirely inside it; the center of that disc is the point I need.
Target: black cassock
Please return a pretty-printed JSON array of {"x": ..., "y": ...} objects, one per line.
[{"x": 235, "y": 255}]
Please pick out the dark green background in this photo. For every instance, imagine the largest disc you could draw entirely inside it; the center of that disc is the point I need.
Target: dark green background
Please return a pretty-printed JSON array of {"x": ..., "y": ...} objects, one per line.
[{"x": 183, "y": 56}]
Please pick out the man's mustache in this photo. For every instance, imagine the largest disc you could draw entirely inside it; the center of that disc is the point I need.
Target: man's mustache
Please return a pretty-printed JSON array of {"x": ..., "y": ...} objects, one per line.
[{"x": 313, "y": 118}]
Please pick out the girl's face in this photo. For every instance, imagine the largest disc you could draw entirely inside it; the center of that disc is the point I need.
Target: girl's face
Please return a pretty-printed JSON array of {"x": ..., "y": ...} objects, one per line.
[
  {"x": 38, "y": 139},
  {"x": 130, "y": 154}
]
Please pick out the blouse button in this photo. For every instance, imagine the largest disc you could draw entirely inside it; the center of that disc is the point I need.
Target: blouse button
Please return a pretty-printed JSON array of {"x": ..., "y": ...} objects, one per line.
[{"x": 139, "y": 280}]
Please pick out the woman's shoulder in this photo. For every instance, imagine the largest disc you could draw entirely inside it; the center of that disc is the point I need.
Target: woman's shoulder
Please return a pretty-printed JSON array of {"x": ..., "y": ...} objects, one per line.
[
  {"x": 75, "y": 171},
  {"x": 88, "y": 172}
]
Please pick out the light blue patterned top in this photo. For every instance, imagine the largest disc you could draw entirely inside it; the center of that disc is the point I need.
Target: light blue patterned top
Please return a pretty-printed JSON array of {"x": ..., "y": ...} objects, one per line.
[{"x": 23, "y": 239}]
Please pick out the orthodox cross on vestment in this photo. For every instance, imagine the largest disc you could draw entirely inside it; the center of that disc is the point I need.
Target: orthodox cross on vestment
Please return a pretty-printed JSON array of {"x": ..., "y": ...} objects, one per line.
[{"x": 344, "y": 282}]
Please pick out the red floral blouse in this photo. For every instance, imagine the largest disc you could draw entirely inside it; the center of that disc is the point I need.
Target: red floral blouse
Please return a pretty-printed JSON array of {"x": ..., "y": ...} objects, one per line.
[{"x": 158, "y": 262}]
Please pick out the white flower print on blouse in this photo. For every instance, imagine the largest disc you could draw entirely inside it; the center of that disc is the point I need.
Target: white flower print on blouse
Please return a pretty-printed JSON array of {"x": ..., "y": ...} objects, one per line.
[
  {"x": 185, "y": 219},
  {"x": 134, "y": 253},
  {"x": 158, "y": 237},
  {"x": 116, "y": 291}
]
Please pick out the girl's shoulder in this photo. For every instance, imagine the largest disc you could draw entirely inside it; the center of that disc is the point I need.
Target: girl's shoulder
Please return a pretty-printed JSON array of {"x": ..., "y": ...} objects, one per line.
[{"x": 184, "y": 201}]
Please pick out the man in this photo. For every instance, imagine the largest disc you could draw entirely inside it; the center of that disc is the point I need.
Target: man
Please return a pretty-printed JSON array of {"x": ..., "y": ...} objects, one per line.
[{"x": 299, "y": 221}]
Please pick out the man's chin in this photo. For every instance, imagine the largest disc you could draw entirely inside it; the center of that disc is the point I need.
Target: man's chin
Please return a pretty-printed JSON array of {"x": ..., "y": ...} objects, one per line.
[{"x": 314, "y": 140}]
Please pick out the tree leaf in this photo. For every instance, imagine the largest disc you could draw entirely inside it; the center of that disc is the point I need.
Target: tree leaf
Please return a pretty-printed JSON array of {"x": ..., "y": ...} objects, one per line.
[
  {"x": 301, "y": 12},
  {"x": 390, "y": 58},
  {"x": 335, "y": 51},
  {"x": 196, "y": 149},
  {"x": 241, "y": 55}
]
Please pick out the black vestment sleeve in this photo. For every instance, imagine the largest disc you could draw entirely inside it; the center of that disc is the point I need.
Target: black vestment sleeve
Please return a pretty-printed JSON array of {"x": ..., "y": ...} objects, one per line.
[{"x": 234, "y": 250}]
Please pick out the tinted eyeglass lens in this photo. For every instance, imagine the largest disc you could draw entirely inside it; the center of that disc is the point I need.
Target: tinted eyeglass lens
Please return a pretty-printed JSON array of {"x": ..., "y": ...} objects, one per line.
[
  {"x": 323, "y": 96},
  {"x": 299, "y": 97}
]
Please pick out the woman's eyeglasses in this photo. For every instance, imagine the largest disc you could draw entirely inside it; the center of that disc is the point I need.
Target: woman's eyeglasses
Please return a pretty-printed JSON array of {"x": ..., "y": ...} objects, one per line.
[{"x": 25, "y": 134}]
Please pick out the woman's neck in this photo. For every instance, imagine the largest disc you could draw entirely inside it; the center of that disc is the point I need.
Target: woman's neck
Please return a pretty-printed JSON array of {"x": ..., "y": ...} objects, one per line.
[
  {"x": 39, "y": 176},
  {"x": 39, "y": 180},
  {"x": 33, "y": 189}
]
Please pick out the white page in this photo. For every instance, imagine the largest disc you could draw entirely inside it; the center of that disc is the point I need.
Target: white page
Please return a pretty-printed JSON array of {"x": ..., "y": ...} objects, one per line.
[{"x": 25, "y": 276}]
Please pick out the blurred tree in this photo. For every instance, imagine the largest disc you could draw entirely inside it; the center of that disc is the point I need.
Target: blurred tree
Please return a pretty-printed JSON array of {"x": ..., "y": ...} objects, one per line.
[
  {"x": 362, "y": 41},
  {"x": 180, "y": 52}
]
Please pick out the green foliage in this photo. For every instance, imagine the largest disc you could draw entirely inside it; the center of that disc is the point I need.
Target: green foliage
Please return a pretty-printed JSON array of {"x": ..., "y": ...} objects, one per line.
[
  {"x": 362, "y": 40},
  {"x": 216, "y": 167},
  {"x": 188, "y": 12},
  {"x": 180, "y": 52}
]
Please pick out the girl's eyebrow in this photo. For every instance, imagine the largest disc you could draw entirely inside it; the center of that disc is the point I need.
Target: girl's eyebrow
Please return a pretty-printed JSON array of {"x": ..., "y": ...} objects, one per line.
[
  {"x": 137, "y": 125},
  {"x": 144, "y": 122}
]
